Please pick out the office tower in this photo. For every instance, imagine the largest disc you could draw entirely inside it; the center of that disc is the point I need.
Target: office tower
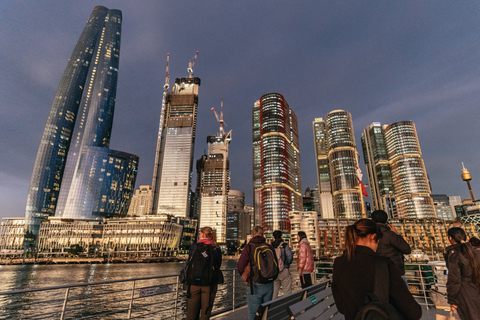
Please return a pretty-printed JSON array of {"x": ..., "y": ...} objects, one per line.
[
  {"x": 142, "y": 200},
  {"x": 245, "y": 223},
  {"x": 213, "y": 183},
  {"x": 443, "y": 209},
  {"x": 323, "y": 170},
  {"x": 235, "y": 216},
  {"x": 172, "y": 176},
  {"x": 378, "y": 169},
  {"x": 410, "y": 182},
  {"x": 257, "y": 164},
  {"x": 306, "y": 221},
  {"x": 347, "y": 195},
  {"x": 279, "y": 189},
  {"x": 396, "y": 172},
  {"x": 89, "y": 83}
]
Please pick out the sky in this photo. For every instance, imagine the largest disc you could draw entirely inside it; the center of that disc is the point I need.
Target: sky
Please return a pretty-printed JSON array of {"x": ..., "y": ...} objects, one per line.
[{"x": 383, "y": 61}]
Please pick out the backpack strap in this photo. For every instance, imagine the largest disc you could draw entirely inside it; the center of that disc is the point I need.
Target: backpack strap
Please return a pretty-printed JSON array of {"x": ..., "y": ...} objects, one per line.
[{"x": 381, "y": 287}]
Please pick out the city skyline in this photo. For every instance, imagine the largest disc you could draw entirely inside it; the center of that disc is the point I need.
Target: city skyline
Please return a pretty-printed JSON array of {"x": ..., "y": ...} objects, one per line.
[{"x": 420, "y": 67}]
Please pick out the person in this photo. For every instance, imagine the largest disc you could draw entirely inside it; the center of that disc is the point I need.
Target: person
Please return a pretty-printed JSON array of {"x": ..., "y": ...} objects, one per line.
[
  {"x": 262, "y": 292},
  {"x": 354, "y": 274},
  {"x": 475, "y": 243},
  {"x": 200, "y": 298},
  {"x": 305, "y": 263},
  {"x": 391, "y": 245},
  {"x": 285, "y": 258},
  {"x": 463, "y": 282}
]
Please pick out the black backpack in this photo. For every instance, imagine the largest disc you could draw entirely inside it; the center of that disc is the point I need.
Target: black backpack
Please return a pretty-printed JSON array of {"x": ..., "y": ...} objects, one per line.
[
  {"x": 263, "y": 263},
  {"x": 200, "y": 268},
  {"x": 376, "y": 305}
]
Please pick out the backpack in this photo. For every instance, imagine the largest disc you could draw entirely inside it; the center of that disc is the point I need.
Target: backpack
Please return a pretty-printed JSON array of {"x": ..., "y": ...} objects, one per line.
[
  {"x": 200, "y": 268},
  {"x": 278, "y": 252},
  {"x": 376, "y": 305},
  {"x": 264, "y": 266}
]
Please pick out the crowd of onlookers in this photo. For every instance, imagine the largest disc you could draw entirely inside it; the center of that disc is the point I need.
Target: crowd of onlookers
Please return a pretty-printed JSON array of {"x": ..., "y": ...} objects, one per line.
[{"x": 368, "y": 279}]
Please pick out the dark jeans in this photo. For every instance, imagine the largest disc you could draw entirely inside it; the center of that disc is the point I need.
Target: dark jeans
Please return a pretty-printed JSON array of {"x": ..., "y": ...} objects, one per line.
[
  {"x": 308, "y": 280},
  {"x": 201, "y": 298}
]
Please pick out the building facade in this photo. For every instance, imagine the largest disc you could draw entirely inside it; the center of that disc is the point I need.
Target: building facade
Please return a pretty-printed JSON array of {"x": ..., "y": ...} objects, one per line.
[
  {"x": 142, "y": 200},
  {"x": 279, "y": 190},
  {"x": 323, "y": 170},
  {"x": 213, "y": 185},
  {"x": 82, "y": 113},
  {"x": 172, "y": 177},
  {"x": 306, "y": 221},
  {"x": 235, "y": 216},
  {"x": 346, "y": 192}
]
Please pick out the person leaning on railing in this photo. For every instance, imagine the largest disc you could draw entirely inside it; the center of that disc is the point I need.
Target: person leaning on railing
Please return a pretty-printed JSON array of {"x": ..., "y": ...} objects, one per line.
[
  {"x": 463, "y": 284},
  {"x": 354, "y": 274}
]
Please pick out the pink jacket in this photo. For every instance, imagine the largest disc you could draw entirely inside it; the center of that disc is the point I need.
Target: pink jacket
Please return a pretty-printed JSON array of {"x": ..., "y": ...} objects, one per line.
[{"x": 305, "y": 257}]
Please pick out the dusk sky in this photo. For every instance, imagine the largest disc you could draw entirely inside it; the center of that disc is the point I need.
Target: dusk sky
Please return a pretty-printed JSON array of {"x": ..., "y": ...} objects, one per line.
[{"x": 383, "y": 61}]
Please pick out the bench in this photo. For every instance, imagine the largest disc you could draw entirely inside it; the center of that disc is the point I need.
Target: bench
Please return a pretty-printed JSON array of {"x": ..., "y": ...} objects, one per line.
[{"x": 281, "y": 308}]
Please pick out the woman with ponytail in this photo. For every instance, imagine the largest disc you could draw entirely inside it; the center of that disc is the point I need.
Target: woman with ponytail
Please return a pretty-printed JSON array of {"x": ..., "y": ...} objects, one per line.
[
  {"x": 354, "y": 274},
  {"x": 205, "y": 258},
  {"x": 463, "y": 284}
]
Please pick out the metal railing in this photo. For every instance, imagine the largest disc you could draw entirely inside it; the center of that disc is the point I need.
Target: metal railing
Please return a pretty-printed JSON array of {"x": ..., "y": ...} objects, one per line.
[
  {"x": 421, "y": 278},
  {"x": 140, "y": 298}
]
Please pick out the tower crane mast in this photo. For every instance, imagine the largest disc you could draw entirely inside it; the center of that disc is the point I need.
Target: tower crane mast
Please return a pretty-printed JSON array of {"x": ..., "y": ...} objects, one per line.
[{"x": 191, "y": 64}]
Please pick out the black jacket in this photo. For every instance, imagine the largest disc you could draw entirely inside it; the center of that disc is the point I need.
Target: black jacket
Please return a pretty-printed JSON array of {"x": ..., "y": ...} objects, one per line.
[
  {"x": 461, "y": 290},
  {"x": 353, "y": 279},
  {"x": 217, "y": 255},
  {"x": 393, "y": 246}
]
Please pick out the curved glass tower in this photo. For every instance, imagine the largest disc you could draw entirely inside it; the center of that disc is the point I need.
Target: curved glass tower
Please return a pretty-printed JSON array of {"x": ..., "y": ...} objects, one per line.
[
  {"x": 82, "y": 113},
  {"x": 347, "y": 201},
  {"x": 412, "y": 190},
  {"x": 281, "y": 185}
]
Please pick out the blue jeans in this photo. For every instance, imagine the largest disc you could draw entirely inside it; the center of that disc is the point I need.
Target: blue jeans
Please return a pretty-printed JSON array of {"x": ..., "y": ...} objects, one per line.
[{"x": 262, "y": 292}]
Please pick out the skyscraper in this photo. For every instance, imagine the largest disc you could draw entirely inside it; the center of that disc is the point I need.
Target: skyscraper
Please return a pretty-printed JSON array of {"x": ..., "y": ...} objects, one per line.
[
  {"x": 396, "y": 171},
  {"x": 378, "y": 169},
  {"x": 323, "y": 170},
  {"x": 89, "y": 81},
  {"x": 235, "y": 217},
  {"x": 279, "y": 189},
  {"x": 172, "y": 177},
  {"x": 257, "y": 166},
  {"x": 347, "y": 196}
]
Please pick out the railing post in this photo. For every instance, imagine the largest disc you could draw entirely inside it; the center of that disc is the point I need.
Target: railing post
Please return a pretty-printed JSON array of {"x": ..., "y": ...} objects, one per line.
[
  {"x": 62, "y": 316},
  {"x": 176, "y": 298},
  {"x": 233, "y": 294},
  {"x": 423, "y": 286},
  {"x": 131, "y": 301}
]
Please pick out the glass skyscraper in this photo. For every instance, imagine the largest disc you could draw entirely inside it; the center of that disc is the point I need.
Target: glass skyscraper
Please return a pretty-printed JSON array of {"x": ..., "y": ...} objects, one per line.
[
  {"x": 323, "y": 170},
  {"x": 280, "y": 185},
  {"x": 347, "y": 196},
  {"x": 396, "y": 171},
  {"x": 172, "y": 176},
  {"x": 82, "y": 113}
]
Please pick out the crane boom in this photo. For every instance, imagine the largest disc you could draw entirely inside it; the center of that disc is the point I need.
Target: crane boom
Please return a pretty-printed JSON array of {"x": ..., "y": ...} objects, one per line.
[{"x": 191, "y": 64}]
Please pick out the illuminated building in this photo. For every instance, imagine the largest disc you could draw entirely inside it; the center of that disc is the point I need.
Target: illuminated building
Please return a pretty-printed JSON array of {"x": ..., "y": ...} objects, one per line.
[
  {"x": 141, "y": 203},
  {"x": 306, "y": 221},
  {"x": 428, "y": 235},
  {"x": 235, "y": 217},
  {"x": 378, "y": 169},
  {"x": 323, "y": 170},
  {"x": 410, "y": 182},
  {"x": 172, "y": 176},
  {"x": 78, "y": 129},
  {"x": 443, "y": 208},
  {"x": 257, "y": 166},
  {"x": 347, "y": 196},
  {"x": 213, "y": 185},
  {"x": 396, "y": 171},
  {"x": 279, "y": 189}
]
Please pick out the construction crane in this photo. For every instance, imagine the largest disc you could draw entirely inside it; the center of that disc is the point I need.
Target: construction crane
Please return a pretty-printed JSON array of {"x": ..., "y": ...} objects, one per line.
[
  {"x": 191, "y": 64},
  {"x": 227, "y": 136}
]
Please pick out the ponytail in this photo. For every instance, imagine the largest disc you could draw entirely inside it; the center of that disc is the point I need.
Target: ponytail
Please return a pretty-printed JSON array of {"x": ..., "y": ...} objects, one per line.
[
  {"x": 360, "y": 229},
  {"x": 459, "y": 235}
]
